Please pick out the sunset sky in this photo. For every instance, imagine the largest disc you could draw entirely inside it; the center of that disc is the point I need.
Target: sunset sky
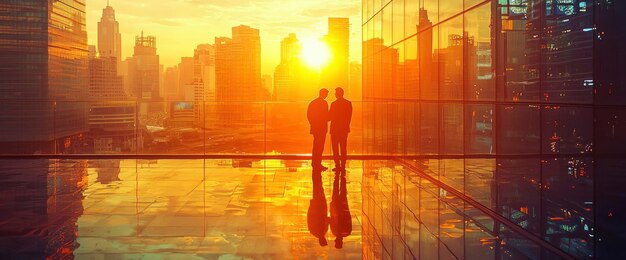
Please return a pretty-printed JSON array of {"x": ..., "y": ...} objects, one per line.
[{"x": 180, "y": 25}]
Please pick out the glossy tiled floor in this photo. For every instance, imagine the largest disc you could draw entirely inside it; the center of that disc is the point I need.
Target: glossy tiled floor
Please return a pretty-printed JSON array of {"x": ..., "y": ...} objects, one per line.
[{"x": 105, "y": 209}]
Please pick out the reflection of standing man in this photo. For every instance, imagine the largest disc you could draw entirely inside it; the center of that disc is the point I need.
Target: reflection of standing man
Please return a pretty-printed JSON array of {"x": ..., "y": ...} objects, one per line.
[
  {"x": 317, "y": 215},
  {"x": 317, "y": 114},
  {"x": 340, "y": 118},
  {"x": 340, "y": 218}
]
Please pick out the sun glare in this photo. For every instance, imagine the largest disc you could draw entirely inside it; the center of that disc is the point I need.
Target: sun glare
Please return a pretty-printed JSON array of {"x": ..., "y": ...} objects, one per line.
[{"x": 315, "y": 53}]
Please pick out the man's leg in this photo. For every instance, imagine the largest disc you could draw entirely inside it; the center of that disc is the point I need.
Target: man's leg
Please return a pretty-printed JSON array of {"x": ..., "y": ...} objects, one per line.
[
  {"x": 318, "y": 149},
  {"x": 344, "y": 150},
  {"x": 334, "y": 139}
]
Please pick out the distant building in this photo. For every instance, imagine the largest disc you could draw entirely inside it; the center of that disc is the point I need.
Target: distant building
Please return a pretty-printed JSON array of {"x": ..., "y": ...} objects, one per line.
[
  {"x": 238, "y": 78},
  {"x": 109, "y": 37},
  {"x": 336, "y": 73},
  {"x": 111, "y": 116},
  {"x": 43, "y": 75},
  {"x": 143, "y": 74},
  {"x": 291, "y": 76},
  {"x": 171, "y": 84},
  {"x": 185, "y": 75},
  {"x": 238, "y": 66},
  {"x": 268, "y": 85}
]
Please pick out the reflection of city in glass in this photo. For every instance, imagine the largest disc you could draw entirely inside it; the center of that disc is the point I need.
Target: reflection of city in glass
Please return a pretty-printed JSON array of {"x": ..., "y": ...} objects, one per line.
[
  {"x": 509, "y": 103},
  {"x": 481, "y": 129}
]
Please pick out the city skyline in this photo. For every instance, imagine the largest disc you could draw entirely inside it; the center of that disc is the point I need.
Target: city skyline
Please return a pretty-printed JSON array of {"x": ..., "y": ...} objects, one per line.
[{"x": 182, "y": 27}]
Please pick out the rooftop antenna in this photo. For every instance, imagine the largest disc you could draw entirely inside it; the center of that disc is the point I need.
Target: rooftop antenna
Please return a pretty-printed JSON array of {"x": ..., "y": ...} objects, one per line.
[{"x": 108, "y": 3}]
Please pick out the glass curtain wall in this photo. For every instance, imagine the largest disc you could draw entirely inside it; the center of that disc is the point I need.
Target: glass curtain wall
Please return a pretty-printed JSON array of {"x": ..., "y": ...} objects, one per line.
[{"x": 516, "y": 103}]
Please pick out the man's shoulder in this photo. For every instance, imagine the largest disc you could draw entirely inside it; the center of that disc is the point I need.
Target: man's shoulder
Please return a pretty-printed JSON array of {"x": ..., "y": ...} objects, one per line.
[{"x": 318, "y": 101}]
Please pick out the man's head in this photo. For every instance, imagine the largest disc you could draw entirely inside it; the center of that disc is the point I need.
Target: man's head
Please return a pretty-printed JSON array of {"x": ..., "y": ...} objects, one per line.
[
  {"x": 324, "y": 93},
  {"x": 339, "y": 93}
]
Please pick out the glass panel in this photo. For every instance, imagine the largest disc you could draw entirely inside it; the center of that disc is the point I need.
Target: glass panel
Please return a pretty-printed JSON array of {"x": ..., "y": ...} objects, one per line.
[
  {"x": 450, "y": 54},
  {"x": 398, "y": 21},
  {"x": 452, "y": 127},
  {"x": 479, "y": 121},
  {"x": 569, "y": 52},
  {"x": 569, "y": 222},
  {"x": 429, "y": 70},
  {"x": 449, "y": 8},
  {"x": 519, "y": 192},
  {"x": 411, "y": 16},
  {"x": 480, "y": 183},
  {"x": 567, "y": 130},
  {"x": 429, "y": 128},
  {"x": 518, "y": 129},
  {"x": 388, "y": 25},
  {"x": 480, "y": 54}
]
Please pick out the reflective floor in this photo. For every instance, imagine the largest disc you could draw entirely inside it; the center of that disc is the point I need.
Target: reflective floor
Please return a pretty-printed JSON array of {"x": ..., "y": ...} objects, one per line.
[
  {"x": 172, "y": 208},
  {"x": 248, "y": 209}
]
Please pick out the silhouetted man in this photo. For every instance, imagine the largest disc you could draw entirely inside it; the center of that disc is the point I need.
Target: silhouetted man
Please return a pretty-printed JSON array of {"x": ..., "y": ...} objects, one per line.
[
  {"x": 317, "y": 114},
  {"x": 317, "y": 215},
  {"x": 340, "y": 218},
  {"x": 340, "y": 118}
]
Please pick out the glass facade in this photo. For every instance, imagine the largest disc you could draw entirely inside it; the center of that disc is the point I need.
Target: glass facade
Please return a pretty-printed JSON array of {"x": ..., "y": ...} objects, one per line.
[
  {"x": 43, "y": 49},
  {"x": 517, "y": 104}
]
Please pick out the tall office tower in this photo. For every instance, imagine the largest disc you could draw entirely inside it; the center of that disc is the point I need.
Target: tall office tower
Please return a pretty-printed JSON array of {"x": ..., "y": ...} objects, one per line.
[
  {"x": 43, "y": 76},
  {"x": 238, "y": 66},
  {"x": 111, "y": 121},
  {"x": 143, "y": 74},
  {"x": 171, "y": 84},
  {"x": 287, "y": 82},
  {"x": 204, "y": 71},
  {"x": 238, "y": 78},
  {"x": 109, "y": 37},
  {"x": 185, "y": 75},
  {"x": 521, "y": 107},
  {"x": 268, "y": 85},
  {"x": 293, "y": 79},
  {"x": 336, "y": 73},
  {"x": 104, "y": 82}
]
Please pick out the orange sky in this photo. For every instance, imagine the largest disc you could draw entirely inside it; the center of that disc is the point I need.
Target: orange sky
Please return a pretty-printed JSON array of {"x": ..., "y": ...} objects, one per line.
[{"x": 180, "y": 25}]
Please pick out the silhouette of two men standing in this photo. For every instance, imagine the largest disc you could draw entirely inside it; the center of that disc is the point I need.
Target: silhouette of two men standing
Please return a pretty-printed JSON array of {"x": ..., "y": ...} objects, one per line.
[{"x": 340, "y": 116}]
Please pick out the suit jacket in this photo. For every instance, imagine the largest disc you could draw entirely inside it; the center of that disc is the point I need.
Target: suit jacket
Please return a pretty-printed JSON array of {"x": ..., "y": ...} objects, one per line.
[
  {"x": 317, "y": 114},
  {"x": 340, "y": 116}
]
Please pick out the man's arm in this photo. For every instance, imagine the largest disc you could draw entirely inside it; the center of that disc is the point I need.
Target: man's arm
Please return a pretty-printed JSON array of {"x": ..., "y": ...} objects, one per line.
[
  {"x": 309, "y": 113},
  {"x": 349, "y": 113},
  {"x": 332, "y": 112}
]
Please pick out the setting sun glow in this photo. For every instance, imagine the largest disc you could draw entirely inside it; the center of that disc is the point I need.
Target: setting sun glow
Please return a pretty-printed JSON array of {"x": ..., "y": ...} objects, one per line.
[{"x": 315, "y": 53}]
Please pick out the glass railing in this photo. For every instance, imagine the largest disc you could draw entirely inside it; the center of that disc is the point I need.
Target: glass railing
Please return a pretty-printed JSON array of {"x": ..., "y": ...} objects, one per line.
[{"x": 166, "y": 128}]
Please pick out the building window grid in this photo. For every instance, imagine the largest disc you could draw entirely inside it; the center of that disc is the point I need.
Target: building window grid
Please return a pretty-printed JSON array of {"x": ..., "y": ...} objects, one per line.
[{"x": 508, "y": 9}]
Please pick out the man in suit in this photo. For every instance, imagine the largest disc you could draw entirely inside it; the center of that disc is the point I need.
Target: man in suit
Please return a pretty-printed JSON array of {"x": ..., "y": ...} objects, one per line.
[
  {"x": 340, "y": 118},
  {"x": 317, "y": 114},
  {"x": 340, "y": 217},
  {"x": 317, "y": 215}
]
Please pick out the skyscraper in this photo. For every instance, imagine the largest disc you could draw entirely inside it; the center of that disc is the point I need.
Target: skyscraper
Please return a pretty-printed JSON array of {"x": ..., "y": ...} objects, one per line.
[
  {"x": 336, "y": 73},
  {"x": 143, "y": 73},
  {"x": 238, "y": 65},
  {"x": 43, "y": 76},
  {"x": 287, "y": 76},
  {"x": 111, "y": 122},
  {"x": 238, "y": 77},
  {"x": 109, "y": 37}
]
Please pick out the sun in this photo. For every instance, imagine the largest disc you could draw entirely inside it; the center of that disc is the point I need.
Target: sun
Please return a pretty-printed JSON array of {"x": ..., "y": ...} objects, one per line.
[{"x": 315, "y": 53}]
